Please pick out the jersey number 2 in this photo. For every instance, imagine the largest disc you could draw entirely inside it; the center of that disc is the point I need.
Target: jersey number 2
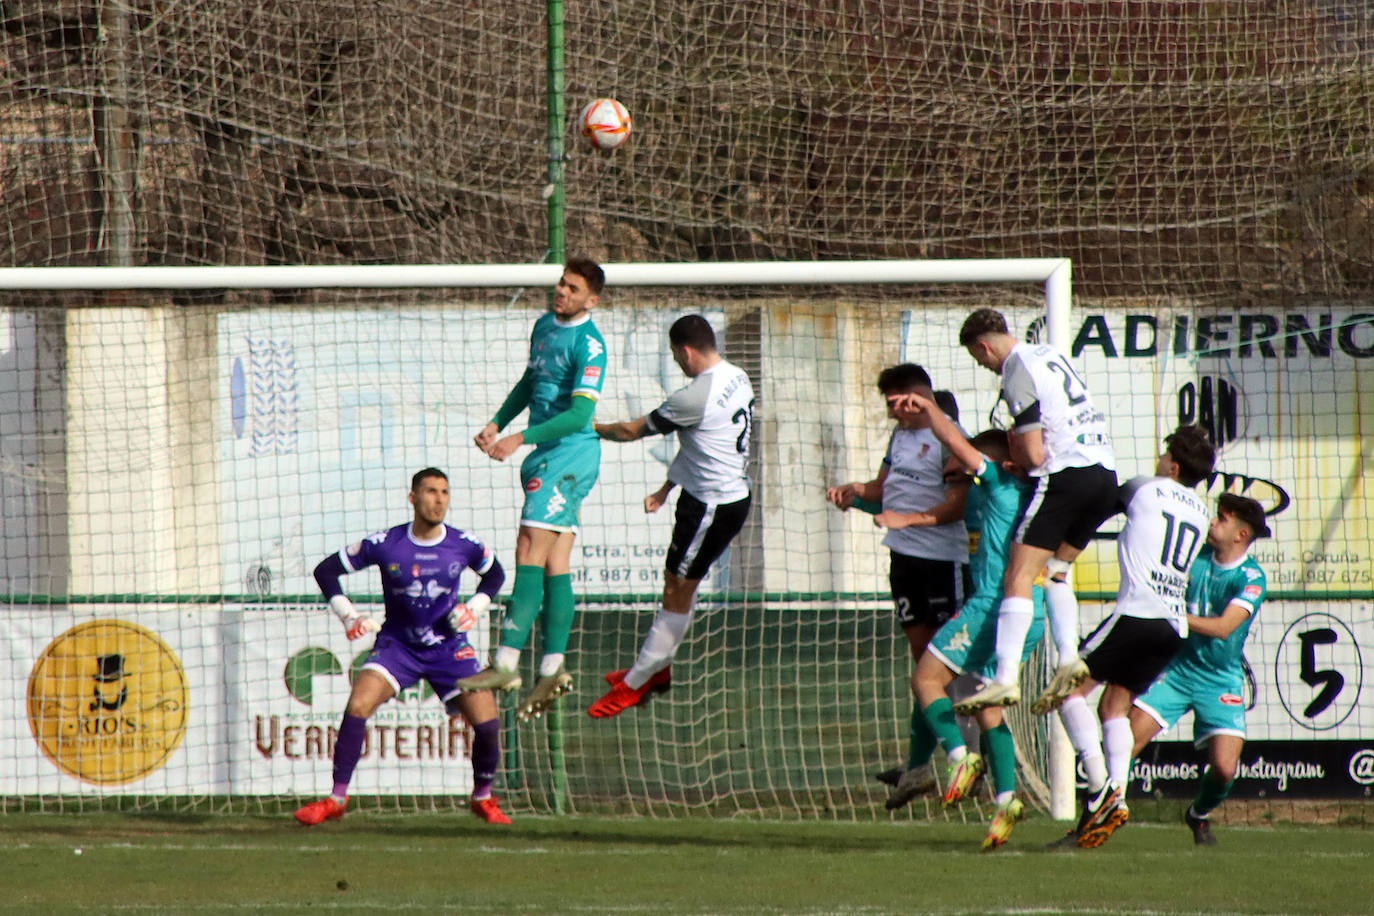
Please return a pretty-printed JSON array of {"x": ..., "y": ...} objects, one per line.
[
  {"x": 1076, "y": 395},
  {"x": 744, "y": 418}
]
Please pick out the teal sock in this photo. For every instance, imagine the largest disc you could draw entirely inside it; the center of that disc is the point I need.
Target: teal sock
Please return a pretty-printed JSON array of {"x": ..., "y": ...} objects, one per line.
[
  {"x": 940, "y": 715},
  {"x": 1210, "y": 793},
  {"x": 1001, "y": 756},
  {"x": 558, "y": 613},
  {"x": 922, "y": 738},
  {"x": 523, "y": 607}
]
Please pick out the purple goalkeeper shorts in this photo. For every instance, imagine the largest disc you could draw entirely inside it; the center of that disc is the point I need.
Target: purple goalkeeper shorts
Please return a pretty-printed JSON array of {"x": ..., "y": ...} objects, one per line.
[{"x": 443, "y": 665}]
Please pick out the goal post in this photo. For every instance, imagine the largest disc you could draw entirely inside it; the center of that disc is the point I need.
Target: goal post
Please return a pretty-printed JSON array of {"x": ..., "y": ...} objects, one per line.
[{"x": 213, "y": 453}]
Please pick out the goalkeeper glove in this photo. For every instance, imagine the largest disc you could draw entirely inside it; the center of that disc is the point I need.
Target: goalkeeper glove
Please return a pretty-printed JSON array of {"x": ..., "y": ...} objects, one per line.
[
  {"x": 464, "y": 616},
  {"x": 356, "y": 625}
]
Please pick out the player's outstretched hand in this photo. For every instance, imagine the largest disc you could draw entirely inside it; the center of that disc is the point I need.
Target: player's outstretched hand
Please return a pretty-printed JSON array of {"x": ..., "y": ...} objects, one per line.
[
  {"x": 486, "y": 437},
  {"x": 355, "y": 623},
  {"x": 841, "y": 496},
  {"x": 503, "y": 448},
  {"x": 360, "y": 626}
]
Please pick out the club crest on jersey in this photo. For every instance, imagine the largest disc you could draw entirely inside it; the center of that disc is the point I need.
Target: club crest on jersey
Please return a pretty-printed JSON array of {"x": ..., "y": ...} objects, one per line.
[
  {"x": 533, "y": 484},
  {"x": 1230, "y": 699},
  {"x": 415, "y": 570}
]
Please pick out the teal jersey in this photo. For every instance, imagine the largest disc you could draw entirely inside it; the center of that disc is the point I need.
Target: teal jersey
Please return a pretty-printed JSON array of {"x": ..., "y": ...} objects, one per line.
[
  {"x": 565, "y": 359},
  {"x": 1211, "y": 589},
  {"x": 995, "y": 503}
]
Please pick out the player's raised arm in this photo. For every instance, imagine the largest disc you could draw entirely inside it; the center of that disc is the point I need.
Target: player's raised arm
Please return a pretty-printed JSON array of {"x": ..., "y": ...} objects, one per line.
[
  {"x": 625, "y": 430},
  {"x": 328, "y": 573},
  {"x": 944, "y": 429}
]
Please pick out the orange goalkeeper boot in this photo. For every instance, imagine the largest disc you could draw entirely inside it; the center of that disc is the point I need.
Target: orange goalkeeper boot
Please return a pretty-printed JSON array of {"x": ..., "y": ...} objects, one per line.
[
  {"x": 317, "y": 812},
  {"x": 489, "y": 811}
]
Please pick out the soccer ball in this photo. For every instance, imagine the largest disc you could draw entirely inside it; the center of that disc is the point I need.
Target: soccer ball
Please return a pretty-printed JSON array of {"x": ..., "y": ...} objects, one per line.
[{"x": 605, "y": 123}]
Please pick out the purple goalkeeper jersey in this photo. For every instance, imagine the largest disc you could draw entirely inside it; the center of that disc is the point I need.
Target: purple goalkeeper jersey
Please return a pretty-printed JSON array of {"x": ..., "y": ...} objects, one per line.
[{"x": 421, "y": 580}]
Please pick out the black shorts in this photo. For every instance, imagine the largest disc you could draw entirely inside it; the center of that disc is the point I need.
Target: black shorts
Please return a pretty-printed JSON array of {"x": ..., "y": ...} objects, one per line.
[
  {"x": 1131, "y": 651},
  {"x": 701, "y": 532},
  {"x": 1068, "y": 506},
  {"x": 927, "y": 592}
]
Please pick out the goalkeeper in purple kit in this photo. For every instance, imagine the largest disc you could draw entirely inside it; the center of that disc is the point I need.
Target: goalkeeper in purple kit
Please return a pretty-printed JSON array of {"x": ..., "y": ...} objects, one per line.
[{"x": 424, "y": 636}]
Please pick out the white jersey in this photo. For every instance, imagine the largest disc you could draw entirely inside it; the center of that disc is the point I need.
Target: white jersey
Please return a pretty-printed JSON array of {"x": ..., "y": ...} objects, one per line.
[
  {"x": 1166, "y": 527},
  {"x": 1043, "y": 392},
  {"x": 915, "y": 482},
  {"x": 713, "y": 415}
]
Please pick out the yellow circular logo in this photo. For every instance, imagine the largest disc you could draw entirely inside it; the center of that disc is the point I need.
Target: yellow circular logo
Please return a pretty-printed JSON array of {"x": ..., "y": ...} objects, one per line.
[{"x": 108, "y": 702}]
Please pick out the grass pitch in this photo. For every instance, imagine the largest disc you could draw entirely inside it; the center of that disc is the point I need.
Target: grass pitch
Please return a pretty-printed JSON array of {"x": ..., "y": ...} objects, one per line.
[{"x": 451, "y": 863}]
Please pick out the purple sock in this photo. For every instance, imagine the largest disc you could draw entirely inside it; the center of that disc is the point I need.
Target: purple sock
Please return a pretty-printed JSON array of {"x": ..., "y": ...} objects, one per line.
[
  {"x": 486, "y": 756},
  {"x": 348, "y": 747}
]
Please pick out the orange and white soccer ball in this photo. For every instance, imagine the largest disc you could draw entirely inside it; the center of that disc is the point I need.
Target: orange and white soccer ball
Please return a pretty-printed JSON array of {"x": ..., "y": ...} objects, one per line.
[{"x": 605, "y": 123}]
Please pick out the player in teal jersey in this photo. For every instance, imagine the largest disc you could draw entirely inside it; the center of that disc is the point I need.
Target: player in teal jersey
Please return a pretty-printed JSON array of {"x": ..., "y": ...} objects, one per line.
[
  {"x": 1225, "y": 589},
  {"x": 560, "y": 386},
  {"x": 967, "y": 643}
]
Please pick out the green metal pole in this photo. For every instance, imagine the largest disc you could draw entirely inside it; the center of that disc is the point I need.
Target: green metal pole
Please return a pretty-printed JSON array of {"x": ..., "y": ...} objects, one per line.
[
  {"x": 557, "y": 119},
  {"x": 556, "y": 255}
]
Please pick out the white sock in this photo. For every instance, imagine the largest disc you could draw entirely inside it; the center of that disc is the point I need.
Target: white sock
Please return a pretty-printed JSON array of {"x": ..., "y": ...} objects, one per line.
[
  {"x": 1081, "y": 725},
  {"x": 1062, "y": 609},
  {"x": 665, "y": 635},
  {"x": 1003, "y": 798},
  {"x": 549, "y": 664},
  {"x": 507, "y": 659},
  {"x": 1013, "y": 623},
  {"x": 1117, "y": 742},
  {"x": 957, "y": 754}
]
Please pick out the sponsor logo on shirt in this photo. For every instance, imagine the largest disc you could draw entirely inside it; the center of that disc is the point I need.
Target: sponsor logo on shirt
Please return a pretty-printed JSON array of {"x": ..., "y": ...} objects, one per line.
[
  {"x": 1252, "y": 591},
  {"x": 465, "y": 653},
  {"x": 1230, "y": 699},
  {"x": 454, "y": 569},
  {"x": 533, "y": 484}
]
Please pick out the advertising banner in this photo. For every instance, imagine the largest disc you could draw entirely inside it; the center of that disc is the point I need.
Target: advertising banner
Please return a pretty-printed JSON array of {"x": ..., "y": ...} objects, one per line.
[{"x": 243, "y": 701}]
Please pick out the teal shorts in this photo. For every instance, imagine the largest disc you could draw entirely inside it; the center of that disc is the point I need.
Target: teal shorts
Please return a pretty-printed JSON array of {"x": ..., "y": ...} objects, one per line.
[
  {"x": 967, "y": 644},
  {"x": 1218, "y": 705},
  {"x": 556, "y": 480}
]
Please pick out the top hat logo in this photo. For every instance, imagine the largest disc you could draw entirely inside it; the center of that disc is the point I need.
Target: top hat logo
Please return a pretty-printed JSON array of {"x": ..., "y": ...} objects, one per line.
[
  {"x": 108, "y": 702},
  {"x": 109, "y": 670}
]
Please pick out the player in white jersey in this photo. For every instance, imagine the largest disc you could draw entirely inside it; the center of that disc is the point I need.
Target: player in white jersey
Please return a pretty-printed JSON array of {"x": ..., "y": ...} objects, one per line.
[
  {"x": 922, "y": 492},
  {"x": 1061, "y": 436},
  {"x": 713, "y": 416},
  {"x": 1166, "y": 526}
]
